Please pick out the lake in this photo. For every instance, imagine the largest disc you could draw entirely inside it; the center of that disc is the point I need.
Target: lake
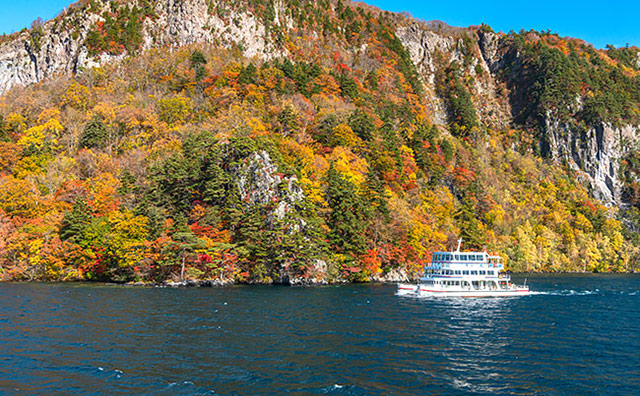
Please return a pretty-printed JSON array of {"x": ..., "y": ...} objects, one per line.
[{"x": 577, "y": 335}]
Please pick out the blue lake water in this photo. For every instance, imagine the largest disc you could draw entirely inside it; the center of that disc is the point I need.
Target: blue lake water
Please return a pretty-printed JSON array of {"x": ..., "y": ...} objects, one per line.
[{"x": 578, "y": 335}]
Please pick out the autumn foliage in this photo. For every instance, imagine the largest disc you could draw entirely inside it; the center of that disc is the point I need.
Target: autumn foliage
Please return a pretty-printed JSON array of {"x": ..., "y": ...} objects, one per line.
[{"x": 198, "y": 163}]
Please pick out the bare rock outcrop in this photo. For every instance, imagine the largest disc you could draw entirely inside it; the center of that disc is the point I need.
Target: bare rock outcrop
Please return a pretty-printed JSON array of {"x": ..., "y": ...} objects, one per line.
[
  {"x": 60, "y": 49},
  {"x": 596, "y": 151}
]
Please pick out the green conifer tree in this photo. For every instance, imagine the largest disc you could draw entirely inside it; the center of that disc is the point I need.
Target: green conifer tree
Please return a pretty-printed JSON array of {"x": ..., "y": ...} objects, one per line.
[
  {"x": 348, "y": 219},
  {"x": 95, "y": 134},
  {"x": 75, "y": 222}
]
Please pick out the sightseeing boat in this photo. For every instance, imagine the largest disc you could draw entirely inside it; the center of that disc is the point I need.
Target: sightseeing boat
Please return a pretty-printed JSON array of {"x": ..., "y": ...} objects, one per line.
[{"x": 464, "y": 274}]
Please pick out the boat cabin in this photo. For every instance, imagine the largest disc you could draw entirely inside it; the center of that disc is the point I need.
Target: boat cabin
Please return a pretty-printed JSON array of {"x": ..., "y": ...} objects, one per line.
[{"x": 465, "y": 270}]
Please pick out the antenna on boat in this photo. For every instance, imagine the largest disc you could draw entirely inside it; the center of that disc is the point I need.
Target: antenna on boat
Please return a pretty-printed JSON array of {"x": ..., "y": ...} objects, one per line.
[
  {"x": 459, "y": 243},
  {"x": 525, "y": 282}
]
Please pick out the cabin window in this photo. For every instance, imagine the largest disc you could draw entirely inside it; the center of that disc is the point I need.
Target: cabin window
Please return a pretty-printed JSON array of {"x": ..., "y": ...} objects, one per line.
[
  {"x": 483, "y": 272},
  {"x": 490, "y": 272},
  {"x": 456, "y": 257},
  {"x": 463, "y": 257},
  {"x": 457, "y": 272},
  {"x": 465, "y": 272},
  {"x": 474, "y": 272}
]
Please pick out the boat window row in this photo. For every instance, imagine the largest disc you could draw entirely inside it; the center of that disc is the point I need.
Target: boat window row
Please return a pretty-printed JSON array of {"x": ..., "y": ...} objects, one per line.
[
  {"x": 459, "y": 272},
  {"x": 458, "y": 257}
]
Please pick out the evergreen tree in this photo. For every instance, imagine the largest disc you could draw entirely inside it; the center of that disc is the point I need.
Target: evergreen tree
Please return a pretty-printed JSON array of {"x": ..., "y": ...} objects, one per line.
[
  {"x": 75, "y": 222},
  {"x": 4, "y": 135},
  {"x": 469, "y": 226},
  {"x": 362, "y": 124},
  {"x": 348, "y": 85},
  {"x": 325, "y": 129},
  {"x": 248, "y": 75},
  {"x": 197, "y": 63},
  {"x": 288, "y": 119},
  {"x": 375, "y": 196},
  {"x": 348, "y": 219},
  {"x": 95, "y": 134}
]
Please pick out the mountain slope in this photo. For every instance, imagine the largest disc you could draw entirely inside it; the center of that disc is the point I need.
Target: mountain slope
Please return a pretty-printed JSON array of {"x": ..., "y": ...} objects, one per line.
[{"x": 306, "y": 142}]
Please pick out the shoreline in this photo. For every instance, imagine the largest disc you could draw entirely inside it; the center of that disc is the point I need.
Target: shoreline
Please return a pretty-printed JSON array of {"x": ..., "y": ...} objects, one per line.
[{"x": 216, "y": 283}]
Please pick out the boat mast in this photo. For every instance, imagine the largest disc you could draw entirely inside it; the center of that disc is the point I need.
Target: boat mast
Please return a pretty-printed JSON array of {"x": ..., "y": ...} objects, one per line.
[{"x": 459, "y": 243}]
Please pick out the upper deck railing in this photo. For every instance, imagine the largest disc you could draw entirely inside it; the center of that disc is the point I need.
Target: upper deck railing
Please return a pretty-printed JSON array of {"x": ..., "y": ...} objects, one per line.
[{"x": 467, "y": 259}]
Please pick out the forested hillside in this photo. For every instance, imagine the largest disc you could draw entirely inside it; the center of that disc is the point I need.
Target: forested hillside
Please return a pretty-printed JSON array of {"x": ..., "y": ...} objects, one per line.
[{"x": 346, "y": 143}]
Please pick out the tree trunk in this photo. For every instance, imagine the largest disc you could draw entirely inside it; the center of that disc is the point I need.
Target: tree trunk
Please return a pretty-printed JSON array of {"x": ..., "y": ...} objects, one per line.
[{"x": 182, "y": 269}]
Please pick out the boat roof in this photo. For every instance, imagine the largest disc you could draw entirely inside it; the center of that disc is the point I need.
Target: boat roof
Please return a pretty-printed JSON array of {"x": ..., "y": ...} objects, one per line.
[{"x": 457, "y": 252}]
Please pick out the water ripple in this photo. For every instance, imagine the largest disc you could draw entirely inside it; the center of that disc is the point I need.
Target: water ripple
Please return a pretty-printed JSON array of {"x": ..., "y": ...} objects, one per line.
[{"x": 574, "y": 335}]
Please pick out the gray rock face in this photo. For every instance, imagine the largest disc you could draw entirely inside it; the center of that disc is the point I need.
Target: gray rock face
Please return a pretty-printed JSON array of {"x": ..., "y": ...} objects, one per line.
[
  {"x": 596, "y": 151},
  {"x": 393, "y": 276},
  {"x": 422, "y": 45},
  {"x": 178, "y": 23},
  {"x": 488, "y": 44},
  {"x": 260, "y": 184}
]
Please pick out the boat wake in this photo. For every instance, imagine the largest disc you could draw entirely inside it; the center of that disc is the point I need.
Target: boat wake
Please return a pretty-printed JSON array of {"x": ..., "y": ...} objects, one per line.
[
  {"x": 566, "y": 292},
  {"x": 582, "y": 292}
]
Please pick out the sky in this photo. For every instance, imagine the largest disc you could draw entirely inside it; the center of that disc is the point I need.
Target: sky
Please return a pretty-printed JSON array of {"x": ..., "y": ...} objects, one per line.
[{"x": 598, "y": 22}]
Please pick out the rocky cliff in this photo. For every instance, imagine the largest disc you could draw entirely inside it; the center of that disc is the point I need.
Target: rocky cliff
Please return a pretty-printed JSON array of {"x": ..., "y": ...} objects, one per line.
[
  {"x": 59, "y": 46},
  {"x": 594, "y": 150}
]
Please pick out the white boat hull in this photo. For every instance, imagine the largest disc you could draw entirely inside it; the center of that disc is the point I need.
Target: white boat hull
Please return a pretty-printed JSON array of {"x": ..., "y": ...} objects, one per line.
[{"x": 405, "y": 289}]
